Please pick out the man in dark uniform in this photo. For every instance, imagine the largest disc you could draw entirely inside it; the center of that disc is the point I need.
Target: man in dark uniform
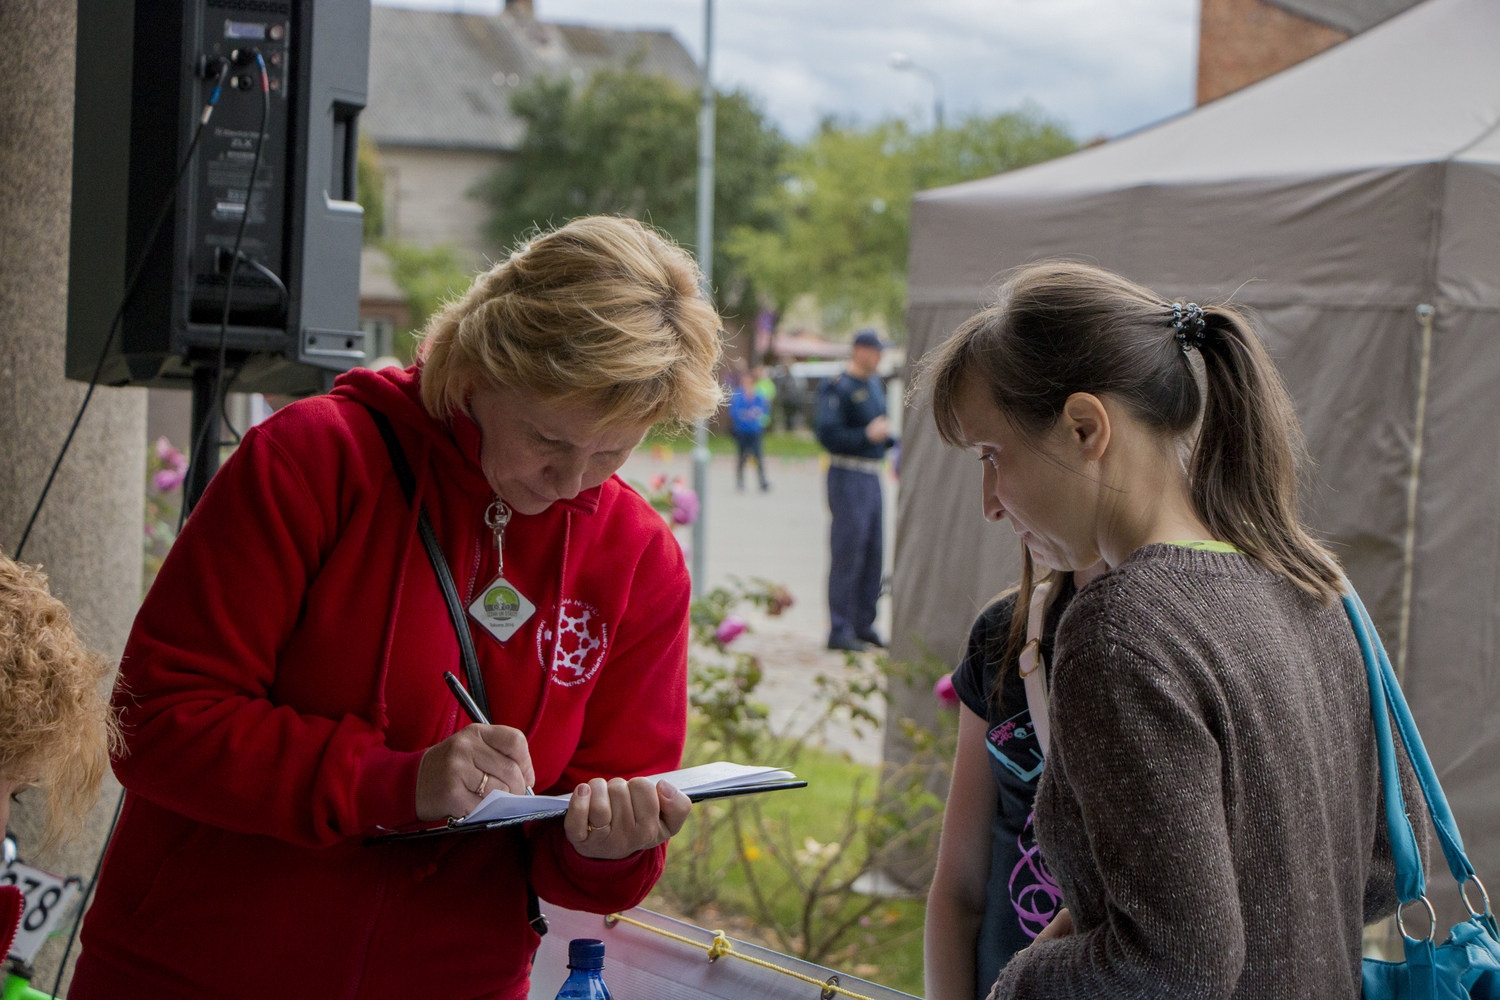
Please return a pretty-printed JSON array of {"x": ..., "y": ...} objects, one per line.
[{"x": 851, "y": 423}]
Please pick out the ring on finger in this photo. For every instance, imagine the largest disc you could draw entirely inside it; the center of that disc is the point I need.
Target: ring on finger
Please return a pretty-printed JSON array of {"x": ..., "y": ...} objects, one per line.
[
  {"x": 484, "y": 781},
  {"x": 592, "y": 827}
]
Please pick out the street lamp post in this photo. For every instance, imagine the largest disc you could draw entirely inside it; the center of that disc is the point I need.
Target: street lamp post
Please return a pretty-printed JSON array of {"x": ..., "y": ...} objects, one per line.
[
  {"x": 902, "y": 61},
  {"x": 699, "y": 561}
]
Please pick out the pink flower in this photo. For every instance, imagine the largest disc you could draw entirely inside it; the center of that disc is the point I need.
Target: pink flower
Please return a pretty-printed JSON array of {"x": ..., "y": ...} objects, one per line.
[
  {"x": 167, "y": 480},
  {"x": 170, "y": 456},
  {"x": 944, "y": 693},
  {"x": 657, "y": 481},
  {"x": 729, "y": 629},
  {"x": 684, "y": 504}
]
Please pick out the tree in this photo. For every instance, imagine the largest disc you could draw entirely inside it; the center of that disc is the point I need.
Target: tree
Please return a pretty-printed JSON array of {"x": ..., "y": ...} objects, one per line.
[
  {"x": 430, "y": 277},
  {"x": 370, "y": 189},
  {"x": 844, "y": 211},
  {"x": 626, "y": 143}
]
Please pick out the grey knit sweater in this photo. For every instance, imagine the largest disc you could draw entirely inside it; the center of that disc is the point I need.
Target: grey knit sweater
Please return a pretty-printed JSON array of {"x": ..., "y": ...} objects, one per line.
[{"x": 1210, "y": 803}]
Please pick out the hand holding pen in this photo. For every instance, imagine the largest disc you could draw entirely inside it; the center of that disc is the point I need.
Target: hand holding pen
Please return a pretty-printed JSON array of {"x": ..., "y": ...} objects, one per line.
[
  {"x": 455, "y": 775},
  {"x": 470, "y": 706}
]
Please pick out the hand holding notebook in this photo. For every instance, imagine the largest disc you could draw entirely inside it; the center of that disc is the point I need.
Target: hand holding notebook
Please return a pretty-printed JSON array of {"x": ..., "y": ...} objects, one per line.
[{"x": 706, "y": 781}]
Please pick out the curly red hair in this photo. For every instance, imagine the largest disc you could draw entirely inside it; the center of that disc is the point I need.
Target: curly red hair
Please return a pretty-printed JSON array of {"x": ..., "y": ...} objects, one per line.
[{"x": 57, "y": 728}]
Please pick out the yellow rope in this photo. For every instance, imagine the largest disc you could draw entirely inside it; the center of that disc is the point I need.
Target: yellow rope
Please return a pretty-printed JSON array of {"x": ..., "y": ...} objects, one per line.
[{"x": 721, "y": 946}]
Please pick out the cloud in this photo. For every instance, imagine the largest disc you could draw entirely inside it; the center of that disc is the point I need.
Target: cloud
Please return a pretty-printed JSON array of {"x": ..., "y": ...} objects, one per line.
[{"x": 1101, "y": 67}]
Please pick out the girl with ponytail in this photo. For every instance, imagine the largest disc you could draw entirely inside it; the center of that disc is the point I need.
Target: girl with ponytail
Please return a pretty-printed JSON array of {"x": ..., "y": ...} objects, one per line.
[{"x": 1209, "y": 804}]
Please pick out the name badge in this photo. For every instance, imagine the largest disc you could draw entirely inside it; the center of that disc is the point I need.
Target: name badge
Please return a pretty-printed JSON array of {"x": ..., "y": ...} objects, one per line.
[
  {"x": 48, "y": 899},
  {"x": 501, "y": 609}
]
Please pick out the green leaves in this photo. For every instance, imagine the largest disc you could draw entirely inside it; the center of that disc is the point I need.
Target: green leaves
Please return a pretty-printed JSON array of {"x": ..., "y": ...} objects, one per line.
[
  {"x": 370, "y": 188},
  {"x": 627, "y": 144},
  {"x": 430, "y": 276},
  {"x": 828, "y": 218},
  {"x": 843, "y": 214}
]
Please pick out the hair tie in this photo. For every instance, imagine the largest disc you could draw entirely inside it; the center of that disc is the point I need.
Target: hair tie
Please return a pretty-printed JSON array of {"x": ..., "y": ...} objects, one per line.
[{"x": 1191, "y": 327}]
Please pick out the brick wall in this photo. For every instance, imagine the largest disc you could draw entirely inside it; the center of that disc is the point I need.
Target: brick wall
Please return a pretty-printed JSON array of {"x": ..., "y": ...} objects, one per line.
[{"x": 1242, "y": 41}]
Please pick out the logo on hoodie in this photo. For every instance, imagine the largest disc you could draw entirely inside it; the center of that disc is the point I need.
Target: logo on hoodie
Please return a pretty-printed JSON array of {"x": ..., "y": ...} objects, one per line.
[{"x": 582, "y": 637}]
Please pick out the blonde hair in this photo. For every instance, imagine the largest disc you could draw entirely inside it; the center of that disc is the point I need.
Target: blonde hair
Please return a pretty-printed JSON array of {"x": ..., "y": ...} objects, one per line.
[
  {"x": 604, "y": 312},
  {"x": 1063, "y": 327},
  {"x": 56, "y": 724}
]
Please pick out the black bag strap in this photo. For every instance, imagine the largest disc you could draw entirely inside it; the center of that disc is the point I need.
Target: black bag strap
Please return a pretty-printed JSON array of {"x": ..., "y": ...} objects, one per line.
[
  {"x": 439, "y": 564},
  {"x": 408, "y": 481}
]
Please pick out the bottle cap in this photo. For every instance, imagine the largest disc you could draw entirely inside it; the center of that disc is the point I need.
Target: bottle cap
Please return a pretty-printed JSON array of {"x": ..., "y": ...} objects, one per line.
[{"x": 585, "y": 953}]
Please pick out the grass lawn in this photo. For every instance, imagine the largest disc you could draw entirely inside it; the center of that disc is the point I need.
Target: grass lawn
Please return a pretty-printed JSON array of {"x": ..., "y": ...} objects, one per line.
[
  {"x": 775, "y": 444},
  {"x": 706, "y": 883}
]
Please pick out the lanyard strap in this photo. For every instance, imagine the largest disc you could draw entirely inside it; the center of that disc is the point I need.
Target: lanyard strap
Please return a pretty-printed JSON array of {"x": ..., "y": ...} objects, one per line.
[
  {"x": 439, "y": 563},
  {"x": 1034, "y": 667}
]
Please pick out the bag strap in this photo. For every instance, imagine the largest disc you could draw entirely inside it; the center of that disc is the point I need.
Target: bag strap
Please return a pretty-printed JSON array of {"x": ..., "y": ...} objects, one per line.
[
  {"x": 1386, "y": 699},
  {"x": 1034, "y": 667},
  {"x": 439, "y": 563},
  {"x": 408, "y": 481},
  {"x": 1410, "y": 885},
  {"x": 1432, "y": 790}
]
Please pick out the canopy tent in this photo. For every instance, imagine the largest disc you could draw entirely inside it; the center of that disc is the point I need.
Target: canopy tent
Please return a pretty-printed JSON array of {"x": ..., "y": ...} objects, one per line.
[{"x": 1353, "y": 204}]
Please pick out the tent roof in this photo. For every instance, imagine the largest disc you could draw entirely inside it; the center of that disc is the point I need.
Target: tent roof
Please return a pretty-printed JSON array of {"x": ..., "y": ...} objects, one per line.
[
  {"x": 1419, "y": 88},
  {"x": 1352, "y": 16}
]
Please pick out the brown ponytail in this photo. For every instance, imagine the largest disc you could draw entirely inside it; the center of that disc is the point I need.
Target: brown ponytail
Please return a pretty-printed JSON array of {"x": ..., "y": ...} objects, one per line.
[{"x": 1246, "y": 462}]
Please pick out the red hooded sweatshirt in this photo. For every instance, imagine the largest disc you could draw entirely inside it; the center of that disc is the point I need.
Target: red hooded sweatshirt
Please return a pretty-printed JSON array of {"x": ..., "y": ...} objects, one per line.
[{"x": 284, "y": 676}]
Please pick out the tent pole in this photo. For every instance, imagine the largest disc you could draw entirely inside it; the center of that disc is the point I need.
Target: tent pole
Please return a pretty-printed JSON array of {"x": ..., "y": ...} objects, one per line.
[{"x": 1425, "y": 315}]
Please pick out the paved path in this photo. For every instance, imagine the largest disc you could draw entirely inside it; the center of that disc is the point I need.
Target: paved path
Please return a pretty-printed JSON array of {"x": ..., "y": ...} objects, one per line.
[{"x": 781, "y": 536}]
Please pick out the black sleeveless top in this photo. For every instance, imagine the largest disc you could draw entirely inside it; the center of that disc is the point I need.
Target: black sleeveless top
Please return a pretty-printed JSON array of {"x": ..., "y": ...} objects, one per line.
[{"x": 1020, "y": 896}]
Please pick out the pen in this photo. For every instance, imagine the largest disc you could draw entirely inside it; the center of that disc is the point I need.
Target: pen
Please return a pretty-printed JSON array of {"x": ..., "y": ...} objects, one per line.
[
  {"x": 464, "y": 699},
  {"x": 470, "y": 708}
]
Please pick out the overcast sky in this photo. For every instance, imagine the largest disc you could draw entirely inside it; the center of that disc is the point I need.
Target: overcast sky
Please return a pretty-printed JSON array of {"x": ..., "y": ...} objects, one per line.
[{"x": 1100, "y": 67}]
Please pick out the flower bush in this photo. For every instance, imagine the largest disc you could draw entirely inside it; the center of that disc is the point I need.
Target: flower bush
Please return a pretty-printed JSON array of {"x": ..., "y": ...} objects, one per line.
[
  {"x": 944, "y": 692},
  {"x": 787, "y": 871},
  {"x": 674, "y": 498},
  {"x": 166, "y": 468},
  {"x": 729, "y": 630}
]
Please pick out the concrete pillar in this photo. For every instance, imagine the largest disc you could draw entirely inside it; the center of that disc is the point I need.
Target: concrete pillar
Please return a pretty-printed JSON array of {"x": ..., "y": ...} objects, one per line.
[{"x": 88, "y": 537}]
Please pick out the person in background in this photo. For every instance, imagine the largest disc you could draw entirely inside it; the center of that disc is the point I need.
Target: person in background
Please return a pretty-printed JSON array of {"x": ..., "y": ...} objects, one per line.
[
  {"x": 791, "y": 396},
  {"x": 283, "y": 691},
  {"x": 748, "y": 412},
  {"x": 1212, "y": 756},
  {"x": 766, "y": 386},
  {"x": 851, "y": 423},
  {"x": 57, "y": 728},
  {"x": 991, "y": 893}
]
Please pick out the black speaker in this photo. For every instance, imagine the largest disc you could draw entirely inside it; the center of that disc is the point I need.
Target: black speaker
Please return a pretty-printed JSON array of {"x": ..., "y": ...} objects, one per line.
[{"x": 145, "y": 73}]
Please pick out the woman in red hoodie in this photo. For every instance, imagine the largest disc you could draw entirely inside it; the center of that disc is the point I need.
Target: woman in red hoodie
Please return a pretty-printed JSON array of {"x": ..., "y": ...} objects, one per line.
[{"x": 283, "y": 689}]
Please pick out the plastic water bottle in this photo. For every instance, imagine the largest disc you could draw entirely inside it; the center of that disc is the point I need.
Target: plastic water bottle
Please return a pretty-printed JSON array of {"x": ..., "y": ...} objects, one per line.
[{"x": 586, "y": 980}]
